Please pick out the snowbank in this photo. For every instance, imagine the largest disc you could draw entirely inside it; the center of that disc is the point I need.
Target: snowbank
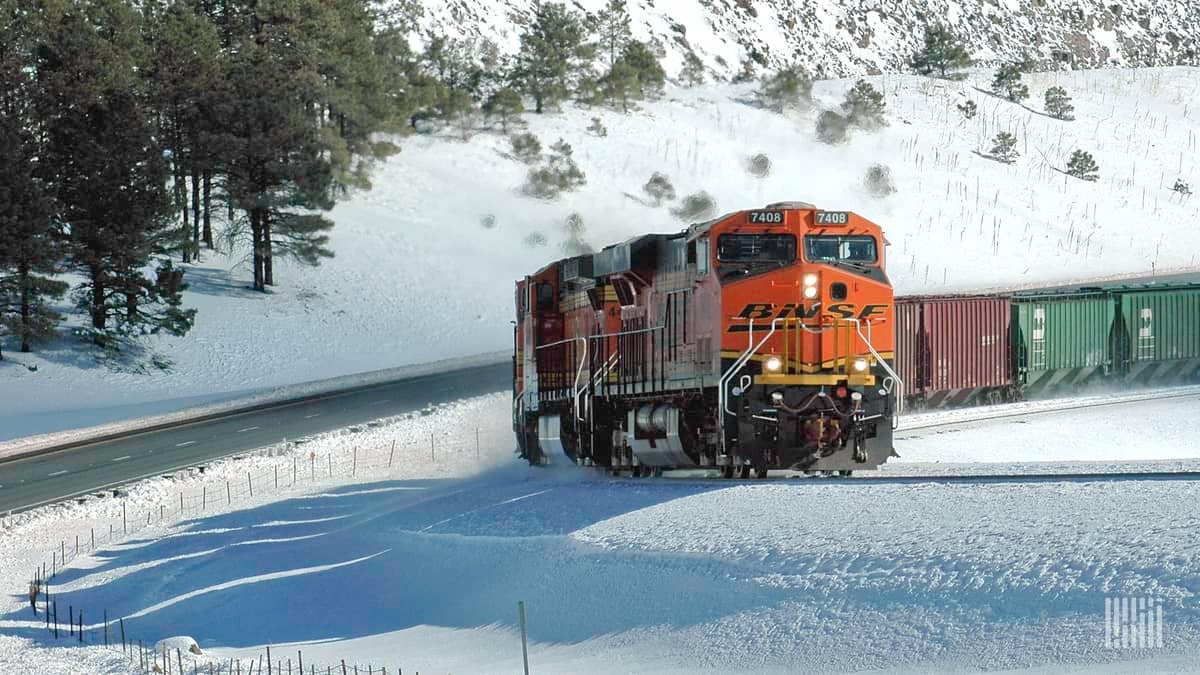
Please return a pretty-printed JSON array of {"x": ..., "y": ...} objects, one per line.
[{"x": 402, "y": 568}]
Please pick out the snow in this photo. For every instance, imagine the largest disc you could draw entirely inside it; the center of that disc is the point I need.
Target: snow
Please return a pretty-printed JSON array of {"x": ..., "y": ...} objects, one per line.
[
  {"x": 418, "y": 277},
  {"x": 421, "y": 566}
]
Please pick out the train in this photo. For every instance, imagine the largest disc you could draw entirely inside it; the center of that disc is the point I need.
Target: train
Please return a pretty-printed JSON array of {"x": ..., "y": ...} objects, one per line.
[
  {"x": 762, "y": 339},
  {"x": 771, "y": 339}
]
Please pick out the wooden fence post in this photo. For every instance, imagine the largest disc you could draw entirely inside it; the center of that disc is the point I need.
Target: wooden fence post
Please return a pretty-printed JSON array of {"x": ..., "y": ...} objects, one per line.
[
  {"x": 250, "y": 482},
  {"x": 524, "y": 642},
  {"x": 124, "y": 522},
  {"x": 276, "y": 476},
  {"x": 122, "y": 634},
  {"x": 93, "y": 538},
  {"x": 354, "y": 462},
  {"x": 392, "y": 454},
  {"x": 228, "y": 493}
]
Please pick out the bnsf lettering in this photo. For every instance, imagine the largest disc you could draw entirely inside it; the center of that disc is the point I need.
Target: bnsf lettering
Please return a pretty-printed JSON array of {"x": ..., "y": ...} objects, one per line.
[{"x": 762, "y": 310}]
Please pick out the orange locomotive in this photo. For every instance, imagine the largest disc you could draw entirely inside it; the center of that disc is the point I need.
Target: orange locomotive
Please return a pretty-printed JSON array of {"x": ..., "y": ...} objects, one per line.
[{"x": 762, "y": 339}]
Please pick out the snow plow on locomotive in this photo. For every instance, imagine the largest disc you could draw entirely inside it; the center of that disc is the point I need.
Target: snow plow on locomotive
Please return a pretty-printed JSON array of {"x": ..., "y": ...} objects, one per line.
[{"x": 762, "y": 339}]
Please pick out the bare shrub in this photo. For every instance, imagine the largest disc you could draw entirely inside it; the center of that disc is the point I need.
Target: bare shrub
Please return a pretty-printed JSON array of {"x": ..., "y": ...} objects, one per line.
[
  {"x": 696, "y": 207},
  {"x": 878, "y": 180},
  {"x": 832, "y": 127},
  {"x": 759, "y": 166},
  {"x": 526, "y": 147},
  {"x": 659, "y": 188}
]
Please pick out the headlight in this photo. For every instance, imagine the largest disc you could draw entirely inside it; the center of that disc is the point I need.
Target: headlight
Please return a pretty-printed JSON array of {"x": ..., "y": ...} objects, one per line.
[
  {"x": 860, "y": 365},
  {"x": 810, "y": 292},
  {"x": 773, "y": 364},
  {"x": 810, "y": 279}
]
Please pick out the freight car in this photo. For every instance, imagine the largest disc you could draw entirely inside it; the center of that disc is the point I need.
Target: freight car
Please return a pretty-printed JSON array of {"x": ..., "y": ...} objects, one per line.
[
  {"x": 761, "y": 339},
  {"x": 961, "y": 350}
]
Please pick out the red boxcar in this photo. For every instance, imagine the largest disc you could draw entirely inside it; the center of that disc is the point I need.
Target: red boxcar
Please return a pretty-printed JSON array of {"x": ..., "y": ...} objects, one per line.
[{"x": 954, "y": 350}]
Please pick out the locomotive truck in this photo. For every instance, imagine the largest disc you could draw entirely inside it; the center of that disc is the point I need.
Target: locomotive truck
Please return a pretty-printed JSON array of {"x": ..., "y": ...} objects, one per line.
[{"x": 761, "y": 339}]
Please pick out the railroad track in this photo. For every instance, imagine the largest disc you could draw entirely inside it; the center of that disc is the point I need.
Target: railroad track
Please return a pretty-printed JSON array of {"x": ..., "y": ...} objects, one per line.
[
  {"x": 1025, "y": 409},
  {"x": 875, "y": 478}
]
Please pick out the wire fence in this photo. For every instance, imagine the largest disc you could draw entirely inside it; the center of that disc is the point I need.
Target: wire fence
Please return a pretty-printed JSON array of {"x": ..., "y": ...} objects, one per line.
[{"x": 289, "y": 466}]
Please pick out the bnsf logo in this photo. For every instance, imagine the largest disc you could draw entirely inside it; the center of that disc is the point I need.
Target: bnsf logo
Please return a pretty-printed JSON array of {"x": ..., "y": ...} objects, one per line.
[{"x": 842, "y": 310}]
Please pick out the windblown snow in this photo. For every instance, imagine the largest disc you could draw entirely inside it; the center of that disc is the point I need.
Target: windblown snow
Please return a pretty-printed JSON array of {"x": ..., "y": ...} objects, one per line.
[
  {"x": 425, "y": 260},
  {"x": 421, "y": 566}
]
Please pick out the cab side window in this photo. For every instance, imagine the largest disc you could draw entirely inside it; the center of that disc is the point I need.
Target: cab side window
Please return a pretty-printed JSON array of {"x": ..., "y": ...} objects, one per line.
[
  {"x": 545, "y": 296},
  {"x": 702, "y": 263}
]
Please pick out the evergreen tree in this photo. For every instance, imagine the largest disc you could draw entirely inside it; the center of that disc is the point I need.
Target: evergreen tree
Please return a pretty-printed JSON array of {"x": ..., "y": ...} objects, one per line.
[
  {"x": 504, "y": 104},
  {"x": 30, "y": 249},
  {"x": 968, "y": 109},
  {"x": 551, "y": 49},
  {"x": 107, "y": 170},
  {"x": 649, "y": 72},
  {"x": 620, "y": 85},
  {"x": 693, "y": 70},
  {"x": 1058, "y": 104},
  {"x": 789, "y": 87},
  {"x": 184, "y": 76},
  {"x": 1004, "y": 147},
  {"x": 942, "y": 52},
  {"x": 613, "y": 31},
  {"x": 864, "y": 106},
  {"x": 1008, "y": 84},
  {"x": 300, "y": 123},
  {"x": 1083, "y": 166}
]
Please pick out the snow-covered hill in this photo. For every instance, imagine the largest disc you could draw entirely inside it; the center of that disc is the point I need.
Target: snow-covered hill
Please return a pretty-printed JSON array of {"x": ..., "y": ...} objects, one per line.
[
  {"x": 841, "y": 38},
  {"x": 426, "y": 261}
]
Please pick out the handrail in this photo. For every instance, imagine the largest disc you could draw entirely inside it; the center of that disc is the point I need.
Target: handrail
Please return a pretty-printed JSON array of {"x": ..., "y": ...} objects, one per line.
[
  {"x": 578, "y": 373},
  {"x": 751, "y": 350},
  {"x": 892, "y": 373}
]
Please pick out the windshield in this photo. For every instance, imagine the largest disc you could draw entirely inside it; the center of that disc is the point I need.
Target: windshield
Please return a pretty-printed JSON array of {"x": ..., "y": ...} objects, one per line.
[
  {"x": 756, "y": 248},
  {"x": 840, "y": 248}
]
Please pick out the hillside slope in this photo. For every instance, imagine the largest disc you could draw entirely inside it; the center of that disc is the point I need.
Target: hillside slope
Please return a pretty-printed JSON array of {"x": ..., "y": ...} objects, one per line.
[
  {"x": 841, "y": 38},
  {"x": 425, "y": 262}
]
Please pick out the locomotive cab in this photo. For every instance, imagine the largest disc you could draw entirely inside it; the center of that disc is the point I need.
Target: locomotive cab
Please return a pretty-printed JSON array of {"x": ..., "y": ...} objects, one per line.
[{"x": 807, "y": 340}]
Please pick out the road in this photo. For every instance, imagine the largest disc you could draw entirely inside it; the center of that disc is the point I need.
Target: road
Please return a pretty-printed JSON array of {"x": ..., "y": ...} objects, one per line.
[{"x": 25, "y": 483}]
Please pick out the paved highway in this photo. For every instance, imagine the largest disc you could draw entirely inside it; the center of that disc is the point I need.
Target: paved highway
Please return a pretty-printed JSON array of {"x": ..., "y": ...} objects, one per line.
[{"x": 25, "y": 483}]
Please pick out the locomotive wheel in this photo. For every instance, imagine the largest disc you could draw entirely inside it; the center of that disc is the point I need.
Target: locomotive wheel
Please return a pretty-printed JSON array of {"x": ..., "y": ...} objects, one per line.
[
  {"x": 744, "y": 471},
  {"x": 760, "y": 470},
  {"x": 727, "y": 472},
  {"x": 658, "y": 472},
  {"x": 845, "y": 473}
]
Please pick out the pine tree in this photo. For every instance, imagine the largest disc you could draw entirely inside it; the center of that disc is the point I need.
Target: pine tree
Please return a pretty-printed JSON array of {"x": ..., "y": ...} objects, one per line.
[
  {"x": 649, "y": 72},
  {"x": 692, "y": 73},
  {"x": 1004, "y": 147},
  {"x": 620, "y": 86},
  {"x": 504, "y": 104},
  {"x": 613, "y": 30},
  {"x": 864, "y": 106},
  {"x": 106, "y": 168},
  {"x": 31, "y": 248},
  {"x": 551, "y": 48},
  {"x": 184, "y": 76},
  {"x": 942, "y": 52},
  {"x": 789, "y": 87},
  {"x": 968, "y": 109},
  {"x": 1008, "y": 84},
  {"x": 1058, "y": 104},
  {"x": 1083, "y": 166}
]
